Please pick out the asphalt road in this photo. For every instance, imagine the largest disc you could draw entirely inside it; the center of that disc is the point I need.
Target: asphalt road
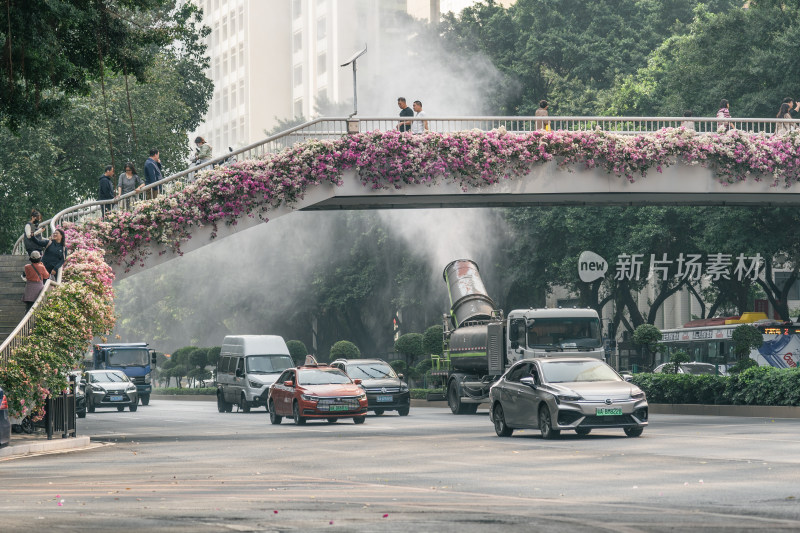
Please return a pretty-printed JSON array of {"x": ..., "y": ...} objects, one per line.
[{"x": 181, "y": 466}]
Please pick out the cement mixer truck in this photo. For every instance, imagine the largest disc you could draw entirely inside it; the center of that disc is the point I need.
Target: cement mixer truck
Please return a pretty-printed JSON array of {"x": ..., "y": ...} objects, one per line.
[{"x": 480, "y": 343}]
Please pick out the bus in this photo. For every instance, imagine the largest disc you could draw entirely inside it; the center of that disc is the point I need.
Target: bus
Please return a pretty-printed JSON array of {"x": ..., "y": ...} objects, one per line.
[{"x": 713, "y": 344}]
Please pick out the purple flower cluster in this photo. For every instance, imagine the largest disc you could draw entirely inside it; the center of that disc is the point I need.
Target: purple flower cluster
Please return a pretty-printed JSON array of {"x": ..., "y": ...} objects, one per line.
[{"x": 392, "y": 159}]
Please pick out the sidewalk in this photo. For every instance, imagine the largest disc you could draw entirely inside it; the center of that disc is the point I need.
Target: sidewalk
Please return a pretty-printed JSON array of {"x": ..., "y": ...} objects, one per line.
[{"x": 35, "y": 443}]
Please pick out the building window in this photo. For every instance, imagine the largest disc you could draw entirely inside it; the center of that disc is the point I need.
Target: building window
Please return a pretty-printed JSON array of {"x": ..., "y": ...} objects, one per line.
[
  {"x": 242, "y": 136},
  {"x": 298, "y": 108},
  {"x": 241, "y": 91},
  {"x": 322, "y": 64},
  {"x": 241, "y": 18},
  {"x": 241, "y": 54},
  {"x": 322, "y": 28},
  {"x": 225, "y": 28},
  {"x": 233, "y": 60},
  {"x": 297, "y": 41},
  {"x": 225, "y": 64},
  {"x": 225, "y": 100},
  {"x": 298, "y": 75},
  {"x": 217, "y": 74},
  {"x": 233, "y": 97},
  {"x": 297, "y": 6},
  {"x": 233, "y": 24},
  {"x": 215, "y": 34}
]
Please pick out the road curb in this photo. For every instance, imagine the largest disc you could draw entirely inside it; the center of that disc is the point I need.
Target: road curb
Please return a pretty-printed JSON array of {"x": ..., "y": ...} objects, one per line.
[{"x": 55, "y": 445}]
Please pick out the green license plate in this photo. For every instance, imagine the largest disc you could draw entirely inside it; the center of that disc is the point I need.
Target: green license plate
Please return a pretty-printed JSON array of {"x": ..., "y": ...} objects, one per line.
[
  {"x": 601, "y": 411},
  {"x": 339, "y": 408}
]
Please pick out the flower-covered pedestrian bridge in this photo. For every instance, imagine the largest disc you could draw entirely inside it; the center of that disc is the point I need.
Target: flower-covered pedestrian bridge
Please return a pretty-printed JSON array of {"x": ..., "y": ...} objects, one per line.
[{"x": 459, "y": 162}]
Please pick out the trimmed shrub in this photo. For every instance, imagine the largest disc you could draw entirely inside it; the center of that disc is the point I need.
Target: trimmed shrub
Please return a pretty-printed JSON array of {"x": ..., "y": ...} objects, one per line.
[
  {"x": 298, "y": 351},
  {"x": 345, "y": 349},
  {"x": 432, "y": 341},
  {"x": 410, "y": 346}
]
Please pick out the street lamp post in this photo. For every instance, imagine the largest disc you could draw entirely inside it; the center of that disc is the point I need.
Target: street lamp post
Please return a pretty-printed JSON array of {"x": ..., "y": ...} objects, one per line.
[{"x": 355, "y": 86}]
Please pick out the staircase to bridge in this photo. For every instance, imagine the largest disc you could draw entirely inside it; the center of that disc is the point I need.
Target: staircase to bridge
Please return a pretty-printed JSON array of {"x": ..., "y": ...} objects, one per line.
[
  {"x": 544, "y": 184},
  {"x": 12, "y": 309}
]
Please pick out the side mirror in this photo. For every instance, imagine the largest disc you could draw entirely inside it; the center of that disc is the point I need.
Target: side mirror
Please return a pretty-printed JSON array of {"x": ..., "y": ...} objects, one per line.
[
  {"x": 357, "y": 381},
  {"x": 153, "y": 357},
  {"x": 514, "y": 345},
  {"x": 529, "y": 381},
  {"x": 239, "y": 373},
  {"x": 288, "y": 384},
  {"x": 401, "y": 376},
  {"x": 628, "y": 378}
]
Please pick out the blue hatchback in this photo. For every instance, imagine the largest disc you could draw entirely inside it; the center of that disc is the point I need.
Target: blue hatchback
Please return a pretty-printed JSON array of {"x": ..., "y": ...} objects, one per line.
[{"x": 5, "y": 421}]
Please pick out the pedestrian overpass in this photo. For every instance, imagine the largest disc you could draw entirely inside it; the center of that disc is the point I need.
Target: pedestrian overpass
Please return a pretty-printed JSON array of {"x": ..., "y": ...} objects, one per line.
[{"x": 577, "y": 161}]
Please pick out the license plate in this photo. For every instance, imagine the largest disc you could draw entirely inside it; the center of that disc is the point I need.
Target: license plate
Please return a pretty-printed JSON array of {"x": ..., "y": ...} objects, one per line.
[
  {"x": 116, "y": 398},
  {"x": 384, "y": 398},
  {"x": 601, "y": 411},
  {"x": 339, "y": 408}
]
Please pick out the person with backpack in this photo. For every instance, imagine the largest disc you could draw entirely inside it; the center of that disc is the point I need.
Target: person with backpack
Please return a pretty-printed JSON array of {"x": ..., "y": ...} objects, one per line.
[
  {"x": 55, "y": 252},
  {"x": 35, "y": 275}
]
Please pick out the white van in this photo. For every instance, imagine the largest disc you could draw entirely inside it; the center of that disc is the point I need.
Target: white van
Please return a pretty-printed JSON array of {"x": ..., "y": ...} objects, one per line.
[{"x": 248, "y": 365}]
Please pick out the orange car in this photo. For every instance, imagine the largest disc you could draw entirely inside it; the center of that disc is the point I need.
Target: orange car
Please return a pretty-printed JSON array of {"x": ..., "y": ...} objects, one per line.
[{"x": 316, "y": 391}]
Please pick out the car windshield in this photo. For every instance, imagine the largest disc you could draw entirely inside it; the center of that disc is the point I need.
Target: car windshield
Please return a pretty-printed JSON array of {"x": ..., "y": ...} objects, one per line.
[
  {"x": 564, "y": 333},
  {"x": 114, "y": 377},
  {"x": 322, "y": 376},
  {"x": 268, "y": 364},
  {"x": 689, "y": 368},
  {"x": 370, "y": 371},
  {"x": 128, "y": 357},
  {"x": 570, "y": 371}
]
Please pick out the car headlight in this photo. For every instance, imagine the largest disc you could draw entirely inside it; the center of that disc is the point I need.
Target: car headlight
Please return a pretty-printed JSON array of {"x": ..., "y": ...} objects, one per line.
[
  {"x": 147, "y": 378},
  {"x": 362, "y": 396},
  {"x": 567, "y": 398},
  {"x": 309, "y": 397},
  {"x": 638, "y": 395},
  {"x": 131, "y": 386},
  {"x": 404, "y": 387},
  {"x": 254, "y": 384},
  {"x": 97, "y": 388}
]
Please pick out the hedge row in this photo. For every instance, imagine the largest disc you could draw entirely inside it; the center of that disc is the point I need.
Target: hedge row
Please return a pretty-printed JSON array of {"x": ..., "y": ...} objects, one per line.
[{"x": 761, "y": 385}]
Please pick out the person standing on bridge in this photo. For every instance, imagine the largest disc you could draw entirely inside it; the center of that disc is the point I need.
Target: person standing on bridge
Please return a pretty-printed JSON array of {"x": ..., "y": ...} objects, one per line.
[
  {"x": 783, "y": 112},
  {"x": 420, "y": 125},
  {"x": 405, "y": 111},
  {"x": 203, "y": 153},
  {"x": 55, "y": 253},
  {"x": 106, "y": 189},
  {"x": 152, "y": 172},
  {"x": 724, "y": 112},
  {"x": 542, "y": 112},
  {"x": 35, "y": 274},
  {"x": 30, "y": 237}
]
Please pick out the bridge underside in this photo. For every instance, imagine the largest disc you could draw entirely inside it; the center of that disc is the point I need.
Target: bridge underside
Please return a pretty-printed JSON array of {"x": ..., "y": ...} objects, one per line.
[{"x": 548, "y": 185}]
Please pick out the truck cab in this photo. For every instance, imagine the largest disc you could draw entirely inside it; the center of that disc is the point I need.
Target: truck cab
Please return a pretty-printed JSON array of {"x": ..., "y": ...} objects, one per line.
[
  {"x": 533, "y": 333},
  {"x": 136, "y": 360}
]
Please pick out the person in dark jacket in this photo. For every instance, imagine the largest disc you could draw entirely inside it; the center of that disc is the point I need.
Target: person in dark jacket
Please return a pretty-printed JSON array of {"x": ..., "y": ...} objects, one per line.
[
  {"x": 55, "y": 252},
  {"x": 35, "y": 276},
  {"x": 30, "y": 237},
  {"x": 106, "y": 188},
  {"x": 152, "y": 172}
]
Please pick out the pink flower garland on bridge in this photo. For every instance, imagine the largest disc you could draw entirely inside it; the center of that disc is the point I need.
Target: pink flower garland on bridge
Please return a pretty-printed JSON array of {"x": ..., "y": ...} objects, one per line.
[{"x": 473, "y": 159}]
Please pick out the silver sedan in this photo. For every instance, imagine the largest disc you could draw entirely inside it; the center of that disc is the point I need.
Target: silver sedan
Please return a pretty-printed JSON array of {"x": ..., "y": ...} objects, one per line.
[
  {"x": 110, "y": 388},
  {"x": 579, "y": 394}
]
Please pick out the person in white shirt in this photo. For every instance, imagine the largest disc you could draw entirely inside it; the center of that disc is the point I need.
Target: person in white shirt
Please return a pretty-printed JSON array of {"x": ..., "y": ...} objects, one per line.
[{"x": 419, "y": 125}]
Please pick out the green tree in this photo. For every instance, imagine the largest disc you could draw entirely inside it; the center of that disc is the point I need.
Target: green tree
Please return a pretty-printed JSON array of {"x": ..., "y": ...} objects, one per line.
[
  {"x": 212, "y": 356},
  {"x": 410, "y": 346},
  {"x": 676, "y": 359},
  {"x": 344, "y": 350},
  {"x": 745, "y": 338},
  {"x": 649, "y": 338},
  {"x": 298, "y": 351},
  {"x": 54, "y": 50},
  {"x": 432, "y": 341}
]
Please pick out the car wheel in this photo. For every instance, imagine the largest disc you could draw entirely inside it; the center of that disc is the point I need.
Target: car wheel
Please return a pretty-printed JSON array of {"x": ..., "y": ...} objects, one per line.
[
  {"x": 134, "y": 407},
  {"x": 90, "y": 405},
  {"x": 583, "y": 431},
  {"x": 546, "y": 424},
  {"x": 298, "y": 420},
  {"x": 120, "y": 408},
  {"x": 378, "y": 412},
  {"x": 332, "y": 420},
  {"x": 403, "y": 411},
  {"x": 274, "y": 418},
  {"x": 146, "y": 400},
  {"x": 359, "y": 419},
  {"x": 499, "y": 419},
  {"x": 244, "y": 404},
  {"x": 634, "y": 432}
]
